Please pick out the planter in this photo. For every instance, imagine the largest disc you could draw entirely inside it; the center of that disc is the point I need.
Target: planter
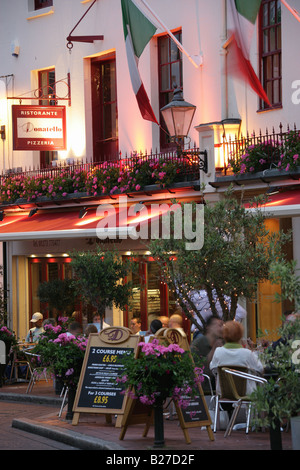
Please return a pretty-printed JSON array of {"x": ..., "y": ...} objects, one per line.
[
  {"x": 159, "y": 439},
  {"x": 295, "y": 431},
  {"x": 58, "y": 385},
  {"x": 71, "y": 399}
]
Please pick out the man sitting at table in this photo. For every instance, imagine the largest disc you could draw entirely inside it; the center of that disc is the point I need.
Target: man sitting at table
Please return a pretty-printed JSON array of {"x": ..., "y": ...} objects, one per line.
[{"x": 34, "y": 333}]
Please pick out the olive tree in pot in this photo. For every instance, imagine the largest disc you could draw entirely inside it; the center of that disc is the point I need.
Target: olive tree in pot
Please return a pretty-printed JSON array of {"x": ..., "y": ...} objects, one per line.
[
  {"x": 100, "y": 279},
  {"x": 60, "y": 295}
]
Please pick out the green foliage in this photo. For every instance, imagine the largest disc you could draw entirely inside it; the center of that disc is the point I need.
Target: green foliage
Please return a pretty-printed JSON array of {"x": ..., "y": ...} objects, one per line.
[
  {"x": 61, "y": 354},
  {"x": 283, "y": 155},
  {"x": 285, "y": 274},
  {"x": 255, "y": 158},
  {"x": 59, "y": 294},
  {"x": 7, "y": 336},
  {"x": 279, "y": 399},
  {"x": 99, "y": 277},
  {"x": 161, "y": 371},
  {"x": 237, "y": 254}
]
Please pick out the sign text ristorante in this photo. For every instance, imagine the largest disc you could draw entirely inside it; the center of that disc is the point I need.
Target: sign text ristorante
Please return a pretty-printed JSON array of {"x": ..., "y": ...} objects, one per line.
[{"x": 39, "y": 127}]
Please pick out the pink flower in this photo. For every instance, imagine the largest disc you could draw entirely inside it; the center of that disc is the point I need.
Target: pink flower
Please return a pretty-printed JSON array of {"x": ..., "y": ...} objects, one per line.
[{"x": 137, "y": 188}]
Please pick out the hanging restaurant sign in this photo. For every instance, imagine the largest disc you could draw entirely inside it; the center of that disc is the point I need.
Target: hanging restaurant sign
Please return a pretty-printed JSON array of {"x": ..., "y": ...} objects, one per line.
[{"x": 39, "y": 127}]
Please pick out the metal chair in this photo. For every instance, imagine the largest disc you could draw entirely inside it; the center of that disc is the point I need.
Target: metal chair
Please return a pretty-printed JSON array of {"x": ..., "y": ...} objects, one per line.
[
  {"x": 235, "y": 378},
  {"x": 16, "y": 363},
  {"x": 64, "y": 393},
  {"x": 35, "y": 370}
]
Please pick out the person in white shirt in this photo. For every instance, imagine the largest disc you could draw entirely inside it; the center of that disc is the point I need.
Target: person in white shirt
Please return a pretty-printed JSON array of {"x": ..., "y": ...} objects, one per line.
[
  {"x": 135, "y": 325},
  {"x": 34, "y": 333},
  {"x": 175, "y": 321},
  {"x": 234, "y": 354},
  {"x": 97, "y": 322}
]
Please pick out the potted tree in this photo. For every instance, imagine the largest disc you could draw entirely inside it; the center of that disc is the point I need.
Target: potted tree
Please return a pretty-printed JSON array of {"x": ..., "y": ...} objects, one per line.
[
  {"x": 100, "y": 279},
  {"x": 238, "y": 252},
  {"x": 59, "y": 294}
]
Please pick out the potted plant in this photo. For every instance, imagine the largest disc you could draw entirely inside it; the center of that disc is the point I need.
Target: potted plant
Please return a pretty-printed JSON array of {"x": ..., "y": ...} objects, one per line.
[
  {"x": 279, "y": 400},
  {"x": 159, "y": 372},
  {"x": 59, "y": 294},
  {"x": 100, "y": 279},
  {"x": 9, "y": 340},
  {"x": 62, "y": 355}
]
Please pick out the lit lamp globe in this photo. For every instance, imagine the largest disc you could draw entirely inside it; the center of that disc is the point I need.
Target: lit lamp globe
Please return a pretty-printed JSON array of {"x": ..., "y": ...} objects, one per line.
[{"x": 178, "y": 115}]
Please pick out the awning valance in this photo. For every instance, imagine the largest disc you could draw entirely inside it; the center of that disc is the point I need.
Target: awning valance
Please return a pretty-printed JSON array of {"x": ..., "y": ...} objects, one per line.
[
  {"x": 283, "y": 204},
  {"x": 112, "y": 223}
]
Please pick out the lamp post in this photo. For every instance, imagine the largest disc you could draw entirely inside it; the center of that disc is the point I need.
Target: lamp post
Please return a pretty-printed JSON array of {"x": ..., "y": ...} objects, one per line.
[{"x": 178, "y": 116}]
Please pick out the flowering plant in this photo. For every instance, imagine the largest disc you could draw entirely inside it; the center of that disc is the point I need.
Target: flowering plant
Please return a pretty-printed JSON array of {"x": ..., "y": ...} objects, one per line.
[
  {"x": 289, "y": 158},
  {"x": 161, "y": 372},
  {"x": 106, "y": 178},
  {"x": 7, "y": 335},
  {"x": 61, "y": 353},
  {"x": 283, "y": 155},
  {"x": 256, "y": 157}
]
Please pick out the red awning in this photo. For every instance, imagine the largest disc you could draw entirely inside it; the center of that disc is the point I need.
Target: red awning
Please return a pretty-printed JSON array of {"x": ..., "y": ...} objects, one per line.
[
  {"x": 103, "y": 221},
  {"x": 285, "y": 203}
]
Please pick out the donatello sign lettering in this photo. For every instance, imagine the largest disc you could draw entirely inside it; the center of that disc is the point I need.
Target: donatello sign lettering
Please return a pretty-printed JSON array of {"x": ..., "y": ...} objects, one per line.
[{"x": 39, "y": 127}]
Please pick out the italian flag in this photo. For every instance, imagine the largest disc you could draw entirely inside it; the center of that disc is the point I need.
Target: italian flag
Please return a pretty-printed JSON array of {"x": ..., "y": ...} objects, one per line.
[
  {"x": 138, "y": 31},
  {"x": 244, "y": 14}
]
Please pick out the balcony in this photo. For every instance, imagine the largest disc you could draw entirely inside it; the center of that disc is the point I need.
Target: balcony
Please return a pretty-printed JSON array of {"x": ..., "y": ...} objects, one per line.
[
  {"x": 259, "y": 158},
  {"x": 134, "y": 174}
]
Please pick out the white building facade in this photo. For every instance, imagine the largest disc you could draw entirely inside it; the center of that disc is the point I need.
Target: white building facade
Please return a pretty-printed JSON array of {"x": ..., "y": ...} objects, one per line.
[{"x": 40, "y": 66}]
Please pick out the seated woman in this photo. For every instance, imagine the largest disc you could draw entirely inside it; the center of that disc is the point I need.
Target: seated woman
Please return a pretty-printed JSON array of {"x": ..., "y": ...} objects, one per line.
[{"x": 234, "y": 354}]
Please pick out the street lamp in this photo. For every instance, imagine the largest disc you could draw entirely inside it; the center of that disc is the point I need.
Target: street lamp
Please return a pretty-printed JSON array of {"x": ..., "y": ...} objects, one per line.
[{"x": 178, "y": 116}]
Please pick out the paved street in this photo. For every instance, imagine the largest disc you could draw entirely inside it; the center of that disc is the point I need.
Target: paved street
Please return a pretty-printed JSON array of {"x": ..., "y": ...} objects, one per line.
[
  {"x": 36, "y": 415},
  {"x": 15, "y": 439}
]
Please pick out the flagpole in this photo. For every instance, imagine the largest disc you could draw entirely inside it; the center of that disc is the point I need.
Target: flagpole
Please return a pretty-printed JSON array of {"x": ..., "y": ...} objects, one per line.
[
  {"x": 292, "y": 10},
  {"x": 179, "y": 45}
]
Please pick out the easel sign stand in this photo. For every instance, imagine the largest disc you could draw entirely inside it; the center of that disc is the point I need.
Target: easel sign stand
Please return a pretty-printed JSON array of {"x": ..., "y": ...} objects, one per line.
[
  {"x": 195, "y": 415},
  {"x": 98, "y": 391}
]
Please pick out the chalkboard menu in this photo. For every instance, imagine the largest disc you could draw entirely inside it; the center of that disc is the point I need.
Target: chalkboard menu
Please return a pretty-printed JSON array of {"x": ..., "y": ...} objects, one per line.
[
  {"x": 98, "y": 391},
  {"x": 195, "y": 411}
]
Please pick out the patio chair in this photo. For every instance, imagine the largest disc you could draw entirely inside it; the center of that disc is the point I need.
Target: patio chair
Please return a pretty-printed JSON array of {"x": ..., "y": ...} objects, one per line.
[
  {"x": 18, "y": 361},
  {"x": 235, "y": 381},
  {"x": 36, "y": 372}
]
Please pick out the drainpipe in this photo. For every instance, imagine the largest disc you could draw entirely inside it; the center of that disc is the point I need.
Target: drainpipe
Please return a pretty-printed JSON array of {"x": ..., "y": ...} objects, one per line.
[
  {"x": 4, "y": 254},
  {"x": 223, "y": 54}
]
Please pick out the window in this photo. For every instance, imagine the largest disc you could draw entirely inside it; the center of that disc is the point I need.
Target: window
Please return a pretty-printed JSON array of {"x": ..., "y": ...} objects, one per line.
[
  {"x": 38, "y": 4},
  {"x": 170, "y": 77},
  {"x": 43, "y": 270},
  {"x": 104, "y": 109},
  {"x": 151, "y": 297},
  {"x": 46, "y": 80},
  {"x": 270, "y": 51}
]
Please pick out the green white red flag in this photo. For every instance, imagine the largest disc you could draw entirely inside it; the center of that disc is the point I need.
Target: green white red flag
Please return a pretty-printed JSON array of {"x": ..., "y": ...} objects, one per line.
[
  {"x": 244, "y": 14},
  {"x": 138, "y": 31}
]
